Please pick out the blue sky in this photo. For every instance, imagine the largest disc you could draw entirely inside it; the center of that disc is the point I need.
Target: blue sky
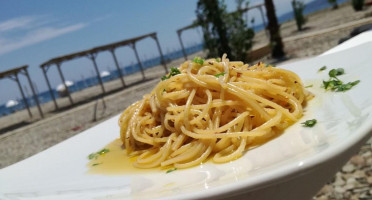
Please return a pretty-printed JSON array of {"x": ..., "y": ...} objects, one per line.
[{"x": 32, "y": 32}]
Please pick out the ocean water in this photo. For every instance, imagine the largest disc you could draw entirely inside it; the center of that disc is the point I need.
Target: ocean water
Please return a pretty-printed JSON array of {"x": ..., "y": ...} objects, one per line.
[{"x": 45, "y": 96}]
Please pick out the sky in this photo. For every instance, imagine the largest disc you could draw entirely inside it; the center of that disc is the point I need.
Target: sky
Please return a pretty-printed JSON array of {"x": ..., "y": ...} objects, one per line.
[{"x": 33, "y": 32}]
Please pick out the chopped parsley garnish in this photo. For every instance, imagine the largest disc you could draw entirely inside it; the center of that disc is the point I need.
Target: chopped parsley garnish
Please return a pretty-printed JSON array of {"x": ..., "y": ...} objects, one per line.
[
  {"x": 95, "y": 164},
  {"x": 336, "y": 72},
  {"x": 171, "y": 170},
  {"x": 322, "y": 68},
  {"x": 308, "y": 86},
  {"x": 220, "y": 74},
  {"x": 92, "y": 155},
  {"x": 309, "y": 123},
  {"x": 344, "y": 87},
  {"x": 174, "y": 71},
  {"x": 95, "y": 155},
  {"x": 336, "y": 84},
  {"x": 198, "y": 60},
  {"x": 332, "y": 84},
  {"x": 218, "y": 59}
]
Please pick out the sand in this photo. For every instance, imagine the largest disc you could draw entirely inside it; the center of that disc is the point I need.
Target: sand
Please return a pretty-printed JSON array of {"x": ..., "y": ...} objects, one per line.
[{"x": 322, "y": 32}]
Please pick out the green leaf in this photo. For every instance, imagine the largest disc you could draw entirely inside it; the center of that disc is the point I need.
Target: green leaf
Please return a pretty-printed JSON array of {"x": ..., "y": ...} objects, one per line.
[
  {"x": 171, "y": 170},
  {"x": 198, "y": 60},
  {"x": 355, "y": 82},
  {"x": 103, "y": 151},
  {"x": 218, "y": 59},
  {"x": 338, "y": 85},
  {"x": 347, "y": 86},
  {"x": 95, "y": 155},
  {"x": 332, "y": 84},
  {"x": 92, "y": 156},
  {"x": 322, "y": 68},
  {"x": 95, "y": 164},
  {"x": 220, "y": 74},
  {"x": 174, "y": 71},
  {"x": 309, "y": 123},
  {"x": 336, "y": 72},
  {"x": 164, "y": 77}
]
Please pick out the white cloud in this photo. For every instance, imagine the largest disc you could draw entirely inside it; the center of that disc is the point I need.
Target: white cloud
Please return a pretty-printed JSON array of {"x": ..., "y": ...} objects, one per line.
[
  {"x": 16, "y": 23},
  {"x": 20, "y": 32}
]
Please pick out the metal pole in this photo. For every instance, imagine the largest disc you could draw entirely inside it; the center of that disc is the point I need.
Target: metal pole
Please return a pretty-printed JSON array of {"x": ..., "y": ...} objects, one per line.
[
  {"x": 23, "y": 95},
  {"x": 50, "y": 88},
  {"x": 183, "y": 48},
  {"x": 138, "y": 60},
  {"x": 64, "y": 82},
  {"x": 161, "y": 54},
  {"x": 33, "y": 93},
  {"x": 117, "y": 66},
  {"x": 93, "y": 58}
]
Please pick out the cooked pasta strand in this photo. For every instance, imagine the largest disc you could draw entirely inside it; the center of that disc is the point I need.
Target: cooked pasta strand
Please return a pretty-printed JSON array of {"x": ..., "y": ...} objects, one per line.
[{"x": 216, "y": 109}]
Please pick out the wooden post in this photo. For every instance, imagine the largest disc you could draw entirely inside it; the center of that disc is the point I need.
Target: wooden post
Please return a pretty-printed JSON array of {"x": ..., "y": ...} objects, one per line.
[
  {"x": 33, "y": 92},
  {"x": 64, "y": 82}
]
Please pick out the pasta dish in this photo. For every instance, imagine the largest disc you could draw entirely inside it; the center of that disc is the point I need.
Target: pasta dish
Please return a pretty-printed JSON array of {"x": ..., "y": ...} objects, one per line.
[{"x": 212, "y": 108}]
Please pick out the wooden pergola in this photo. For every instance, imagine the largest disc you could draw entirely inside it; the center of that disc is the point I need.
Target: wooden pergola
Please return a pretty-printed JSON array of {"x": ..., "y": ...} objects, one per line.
[
  {"x": 12, "y": 74},
  {"x": 92, "y": 54},
  {"x": 194, "y": 25}
]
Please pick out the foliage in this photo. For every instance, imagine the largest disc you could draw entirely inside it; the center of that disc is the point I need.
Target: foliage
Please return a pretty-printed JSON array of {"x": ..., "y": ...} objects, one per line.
[
  {"x": 358, "y": 4},
  {"x": 224, "y": 32},
  {"x": 333, "y": 3},
  {"x": 298, "y": 9}
]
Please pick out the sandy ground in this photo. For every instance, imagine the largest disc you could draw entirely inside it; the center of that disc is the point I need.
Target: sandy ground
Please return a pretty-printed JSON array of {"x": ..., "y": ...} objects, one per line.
[{"x": 322, "y": 32}]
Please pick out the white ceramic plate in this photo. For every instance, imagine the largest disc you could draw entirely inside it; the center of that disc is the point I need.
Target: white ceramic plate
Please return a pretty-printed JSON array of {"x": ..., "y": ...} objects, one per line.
[{"x": 344, "y": 119}]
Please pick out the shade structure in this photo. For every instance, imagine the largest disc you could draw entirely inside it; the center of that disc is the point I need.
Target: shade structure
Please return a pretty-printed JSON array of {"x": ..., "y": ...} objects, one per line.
[
  {"x": 92, "y": 55},
  {"x": 13, "y": 74}
]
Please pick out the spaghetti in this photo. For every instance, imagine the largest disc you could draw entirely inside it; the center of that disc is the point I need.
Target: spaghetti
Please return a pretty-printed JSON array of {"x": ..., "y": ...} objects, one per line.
[{"x": 212, "y": 109}]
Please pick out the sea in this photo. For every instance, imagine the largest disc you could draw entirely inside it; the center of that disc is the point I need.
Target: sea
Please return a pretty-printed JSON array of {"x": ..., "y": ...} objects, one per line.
[{"x": 45, "y": 96}]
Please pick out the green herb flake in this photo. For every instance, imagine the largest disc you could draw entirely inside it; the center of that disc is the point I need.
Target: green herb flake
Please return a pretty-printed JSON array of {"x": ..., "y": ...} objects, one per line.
[
  {"x": 218, "y": 59},
  {"x": 322, "y": 68},
  {"x": 354, "y": 82},
  {"x": 95, "y": 164},
  {"x": 220, "y": 74},
  {"x": 103, "y": 151},
  {"x": 308, "y": 86},
  {"x": 174, "y": 71},
  {"x": 171, "y": 170},
  {"x": 198, "y": 60},
  {"x": 336, "y": 72},
  {"x": 347, "y": 86},
  {"x": 92, "y": 156},
  {"x": 336, "y": 84},
  {"x": 95, "y": 155},
  {"x": 164, "y": 77},
  {"x": 309, "y": 123},
  {"x": 332, "y": 84}
]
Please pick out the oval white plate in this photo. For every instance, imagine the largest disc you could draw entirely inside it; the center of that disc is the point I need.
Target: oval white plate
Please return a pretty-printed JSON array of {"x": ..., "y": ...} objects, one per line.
[{"x": 344, "y": 119}]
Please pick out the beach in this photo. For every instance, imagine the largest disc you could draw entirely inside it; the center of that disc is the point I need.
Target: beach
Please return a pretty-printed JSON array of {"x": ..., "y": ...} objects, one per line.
[{"x": 323, "y": 31}]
